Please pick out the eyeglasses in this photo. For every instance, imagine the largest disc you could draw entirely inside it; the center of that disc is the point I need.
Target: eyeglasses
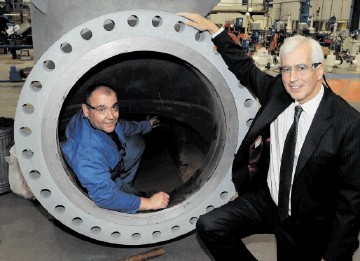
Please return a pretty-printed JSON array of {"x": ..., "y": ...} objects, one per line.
[
  {"x": 103, "y": 109},
  {"x": 298, "y": 68}
]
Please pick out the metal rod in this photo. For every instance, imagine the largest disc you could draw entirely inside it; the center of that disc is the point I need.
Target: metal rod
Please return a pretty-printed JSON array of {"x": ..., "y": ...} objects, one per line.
[
  {"x": 3, "y": 81},
  {"x": 17, "y": 46}
]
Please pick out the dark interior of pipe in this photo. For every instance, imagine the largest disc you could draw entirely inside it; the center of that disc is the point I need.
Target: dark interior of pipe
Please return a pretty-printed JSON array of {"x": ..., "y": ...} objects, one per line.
[{"x": 182, "y": 153}]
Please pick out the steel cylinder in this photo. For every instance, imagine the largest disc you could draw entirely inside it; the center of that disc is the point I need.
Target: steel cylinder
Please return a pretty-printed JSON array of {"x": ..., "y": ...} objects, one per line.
[{"x": 160, "y": 67}]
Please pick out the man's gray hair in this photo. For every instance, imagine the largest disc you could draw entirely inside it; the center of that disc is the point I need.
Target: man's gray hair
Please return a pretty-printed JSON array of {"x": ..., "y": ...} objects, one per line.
[{"x": 294, "y": 42}]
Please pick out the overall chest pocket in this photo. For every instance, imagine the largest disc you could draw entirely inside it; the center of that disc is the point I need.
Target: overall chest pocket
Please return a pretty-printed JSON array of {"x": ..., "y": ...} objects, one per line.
[{"x": 118, "y": 159}]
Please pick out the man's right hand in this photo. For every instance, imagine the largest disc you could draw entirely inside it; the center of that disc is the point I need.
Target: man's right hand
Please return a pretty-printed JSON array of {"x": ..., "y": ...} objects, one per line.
[
  {"x": 157, "y": 201},
  {"x": 200, "y": 23}
]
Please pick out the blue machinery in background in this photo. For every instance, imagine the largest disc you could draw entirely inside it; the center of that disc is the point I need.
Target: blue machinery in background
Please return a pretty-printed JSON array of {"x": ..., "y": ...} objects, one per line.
[{"x": 304, "y": 11}]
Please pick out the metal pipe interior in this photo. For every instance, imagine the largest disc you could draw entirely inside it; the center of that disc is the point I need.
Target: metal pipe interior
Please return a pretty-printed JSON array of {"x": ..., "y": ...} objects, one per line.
[{"x": 150, "y": 83}]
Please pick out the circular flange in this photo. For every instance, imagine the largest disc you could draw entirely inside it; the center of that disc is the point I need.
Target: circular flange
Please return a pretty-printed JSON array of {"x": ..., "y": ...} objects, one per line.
[{"x": 57, "y": 71}]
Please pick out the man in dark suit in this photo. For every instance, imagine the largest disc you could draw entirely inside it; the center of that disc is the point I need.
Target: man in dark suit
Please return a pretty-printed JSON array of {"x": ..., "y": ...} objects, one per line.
[{"x": 303, "y": 187}]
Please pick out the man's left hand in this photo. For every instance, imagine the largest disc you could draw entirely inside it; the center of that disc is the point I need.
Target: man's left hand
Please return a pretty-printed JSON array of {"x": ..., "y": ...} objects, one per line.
[{"x": 154, "y": 121}]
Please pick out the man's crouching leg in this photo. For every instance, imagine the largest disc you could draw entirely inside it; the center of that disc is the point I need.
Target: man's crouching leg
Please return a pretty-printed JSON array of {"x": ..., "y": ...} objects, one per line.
[{"x": 135, "y": 146}]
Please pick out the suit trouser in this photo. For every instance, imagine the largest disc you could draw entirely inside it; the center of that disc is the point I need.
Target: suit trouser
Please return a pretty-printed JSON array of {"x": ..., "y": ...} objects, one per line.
[{"x": 256, "y": 213}]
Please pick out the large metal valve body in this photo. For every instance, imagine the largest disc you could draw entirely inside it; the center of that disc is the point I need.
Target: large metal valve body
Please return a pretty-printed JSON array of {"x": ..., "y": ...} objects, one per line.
[{"x": 112, "y": 46}]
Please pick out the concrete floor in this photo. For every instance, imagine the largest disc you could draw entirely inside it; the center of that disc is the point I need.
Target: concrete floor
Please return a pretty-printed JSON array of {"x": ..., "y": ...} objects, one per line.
[{"x": 27, "y": 232}]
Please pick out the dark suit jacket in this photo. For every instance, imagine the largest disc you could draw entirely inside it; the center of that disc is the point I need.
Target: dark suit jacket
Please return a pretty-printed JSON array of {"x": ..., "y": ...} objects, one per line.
[{"x": 326, "y": 184}]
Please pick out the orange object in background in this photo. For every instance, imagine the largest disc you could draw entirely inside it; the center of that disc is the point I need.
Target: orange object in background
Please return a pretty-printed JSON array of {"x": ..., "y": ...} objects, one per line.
[
  {"x": 233, "y": 36},
  {"x": 258, "y": 46},
  {"x": 273, "y": 44},
  {"x": 349, "y": 89},
  {"x": 227, "y": 27},
  {"x": 244, "y": 36}
]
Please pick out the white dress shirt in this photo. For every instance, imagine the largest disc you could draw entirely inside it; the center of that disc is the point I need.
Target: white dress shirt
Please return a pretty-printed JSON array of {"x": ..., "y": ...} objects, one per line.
[
  {"x": 278, "y": 131},
  {"x": 218, "y": 32}
]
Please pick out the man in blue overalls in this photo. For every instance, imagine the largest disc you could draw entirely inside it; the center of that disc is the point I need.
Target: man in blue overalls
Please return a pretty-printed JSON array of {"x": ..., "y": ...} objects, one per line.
[{"x": 104, "y": 152}]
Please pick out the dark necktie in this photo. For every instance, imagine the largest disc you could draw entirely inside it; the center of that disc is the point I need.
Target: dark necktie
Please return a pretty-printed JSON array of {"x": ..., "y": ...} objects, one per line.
[{"x": 287, "y": 163}]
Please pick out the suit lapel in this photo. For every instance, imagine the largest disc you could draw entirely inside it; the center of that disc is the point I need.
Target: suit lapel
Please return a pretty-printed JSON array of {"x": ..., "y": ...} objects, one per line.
[
  {"x": 319, "y": 125},
  {"x": 267, "y": 114}
]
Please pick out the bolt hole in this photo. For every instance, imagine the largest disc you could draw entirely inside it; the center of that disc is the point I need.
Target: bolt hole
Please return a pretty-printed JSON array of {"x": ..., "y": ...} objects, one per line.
[
  {"x": 193, "y": 220},
  {"x": 49, "y": 65},
  {"x": 109, "y": 25},
  {"x": 86, "y": 34},
  {"x": 77, "y": 221},
  {"x": 136, "y": 236},
  {"x": 209, "y": 208},
  {"x": 115, "y": 234},
  {"x": 28, "y": 108},
  {"x": 45, "y": 193},
  {"x": 224, "y": 195},
  {"x": 34, "y": 174},
  {"x": 156, "y": 234},
  {"x": 179, "y": 27},
  {"x": 248, "y": 103},
  {"x": 133, "y": 21},
  {"x": 157, "y": 21},
  {"x": 175, "y": 229},
  {"x": 35, "y": 86},
  {"x": 25, "y": 131},
  {"x": 200, "y": 36},
  {"x": 248, "y": 122},
  {"x": 27, "y": 153},
  {"x": 66, "y": 47},
  {"x": 60, "y": 209},
  {"x": 95, "y": 230}
]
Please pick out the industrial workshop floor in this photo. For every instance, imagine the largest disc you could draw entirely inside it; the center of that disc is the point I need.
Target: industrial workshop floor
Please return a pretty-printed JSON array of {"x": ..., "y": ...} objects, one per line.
[{"x": 28, "y": 233}]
